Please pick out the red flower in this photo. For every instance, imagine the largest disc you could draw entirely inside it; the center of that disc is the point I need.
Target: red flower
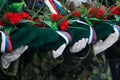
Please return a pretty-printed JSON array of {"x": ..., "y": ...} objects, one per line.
[
  {"x": 13, "y": 18},
  {"x": 114, "y": 10},
  {"x": 76, "y": 14},
  {"x": 94, "y": 12},
  {"x": 2, "y": 23},
  {"x": 25, "y": 15},
  {"x": 56, "y": 17},
  {"x": 64, "y": 25}
]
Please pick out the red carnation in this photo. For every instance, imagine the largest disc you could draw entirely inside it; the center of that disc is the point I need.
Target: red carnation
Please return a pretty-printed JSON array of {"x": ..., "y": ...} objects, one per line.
[
  {"x": 13, "y": 18},
  {"x": 92, "y": 11},
  {"x": 56, "y": 17},
  {"x": 76, "y": 14},
  {"x": 98, "y": 13},
  {"x": 64, "y": 25},
  {"x": 25, "y": 15},
  {"x": 114, "y": 10},
  {"x": 2, "y": 23}
]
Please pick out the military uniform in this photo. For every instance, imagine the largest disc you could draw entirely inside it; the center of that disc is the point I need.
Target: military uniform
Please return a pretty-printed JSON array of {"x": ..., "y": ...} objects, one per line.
[{"x": 113, "y": 56}]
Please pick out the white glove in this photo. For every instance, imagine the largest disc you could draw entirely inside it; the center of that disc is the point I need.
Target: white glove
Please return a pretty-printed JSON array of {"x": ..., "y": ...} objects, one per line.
[
  {"x": 59, "y": 51},
  {"x": 7, "y": 58},
  {"x": 101, "y": 46},
  {"x": 78, "y": 46}
]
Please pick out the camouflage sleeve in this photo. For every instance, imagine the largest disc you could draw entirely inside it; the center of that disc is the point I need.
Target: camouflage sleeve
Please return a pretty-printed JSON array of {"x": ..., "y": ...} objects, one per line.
[
  {"x": 7, "y": 74},
  {"x": 71, "y": 68},
  {"x": 113, "y": 56},
  {"x": 40, "y": 66},
  {"x": 101, "y": 71},
  {"x": 32, "y": 66}
]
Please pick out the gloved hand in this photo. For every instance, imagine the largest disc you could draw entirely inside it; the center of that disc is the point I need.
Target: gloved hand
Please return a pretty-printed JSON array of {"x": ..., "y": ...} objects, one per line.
[
  {"x": 67, "y": 37},
  {"x": 78, "y": 46},
  {"x": 59, "y": 51},
  {"x": 101, "y": 46},
  {"x": 7, "y": 58}
]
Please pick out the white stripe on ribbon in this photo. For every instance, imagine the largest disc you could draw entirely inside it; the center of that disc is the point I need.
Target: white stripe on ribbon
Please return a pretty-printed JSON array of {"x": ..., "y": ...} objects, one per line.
[
  {"x": 81, "y": 22},
  {"x": 50, "y": 7},
  {"x": 61, "y": 33},
  {"x": 3, "y": 42},
  {"x": 91, "y": 35}
]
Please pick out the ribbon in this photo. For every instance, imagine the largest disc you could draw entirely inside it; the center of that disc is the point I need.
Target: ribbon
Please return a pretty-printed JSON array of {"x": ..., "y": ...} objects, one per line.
[
  {"x": 6, "y": 46},
  {"x": 51, "y": 6},
  {"x": 59, "y": 7},
  {"x": 66, "y": 36}
]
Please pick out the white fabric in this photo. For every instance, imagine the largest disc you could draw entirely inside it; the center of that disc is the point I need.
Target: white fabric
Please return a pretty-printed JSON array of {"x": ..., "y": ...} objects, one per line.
[
  {"x": 59, "y": 51},
  {"x": 90, "y": 36},
  {"x": 78, "y": 46},
  {"x": 79, "y": 2},
  {"x": 7, "y": 58},
  {"x": 101, "y": 46},
  {"x": 2, "y": 42},
  {"x": 50, "y": 7}
]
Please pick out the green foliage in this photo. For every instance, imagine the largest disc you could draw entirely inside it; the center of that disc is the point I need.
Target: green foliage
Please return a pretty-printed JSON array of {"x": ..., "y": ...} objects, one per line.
[
  {"x": 2, "y": 3},
  {"x": 117, "y": 18},
  {"x": 15, "y": 7},
  {"x": 52, "y": 25},
  {"x": 9, "y": 30},
  {"x": 26, "y": 23}
]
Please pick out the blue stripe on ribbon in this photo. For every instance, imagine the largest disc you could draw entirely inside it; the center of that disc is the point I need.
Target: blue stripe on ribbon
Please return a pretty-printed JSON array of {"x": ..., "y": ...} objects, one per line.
[
  {"x": 66, "y": 36},
  {"x": 6, "y": 45},
  {"x": 59, "y": 8}
]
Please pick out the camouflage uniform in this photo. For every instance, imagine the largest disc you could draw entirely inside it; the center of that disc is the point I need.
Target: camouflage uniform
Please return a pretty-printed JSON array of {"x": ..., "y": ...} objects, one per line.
[
  {"x": 72, "y": 67},
  {"x": 40, "y": 65},
  {"x": 102, "y": 70},
  {"x": 31, "y": 66},
  {"x": 113, "y": 56}
]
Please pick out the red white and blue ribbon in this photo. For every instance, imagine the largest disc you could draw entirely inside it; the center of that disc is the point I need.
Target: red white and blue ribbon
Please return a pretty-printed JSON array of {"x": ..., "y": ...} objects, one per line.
[
  {"x": 117, "y": 28},
  {"x": 51, "y": 6},
  {"x": 6, "y": 46},
  {"x": 59, "y": 7},
  {"x": 65, "y": 35},
  {"x": 92, "y": 36}
]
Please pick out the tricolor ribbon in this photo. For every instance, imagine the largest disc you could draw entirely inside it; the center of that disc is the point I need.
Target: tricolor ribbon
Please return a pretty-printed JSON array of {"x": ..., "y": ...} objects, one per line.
[
  {"x": 92, "y": 37},
  {"x": 6, "y": 46},
  {"x": 59, "y": 7},
  {"x": 51, "y": 6},
  {"x": 65, "y": 35}
]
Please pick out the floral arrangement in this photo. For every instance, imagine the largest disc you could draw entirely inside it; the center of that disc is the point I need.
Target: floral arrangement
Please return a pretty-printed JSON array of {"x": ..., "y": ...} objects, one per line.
[
  {"x": 47, "y": 24},
  {"x": 15, "y": 15}
]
